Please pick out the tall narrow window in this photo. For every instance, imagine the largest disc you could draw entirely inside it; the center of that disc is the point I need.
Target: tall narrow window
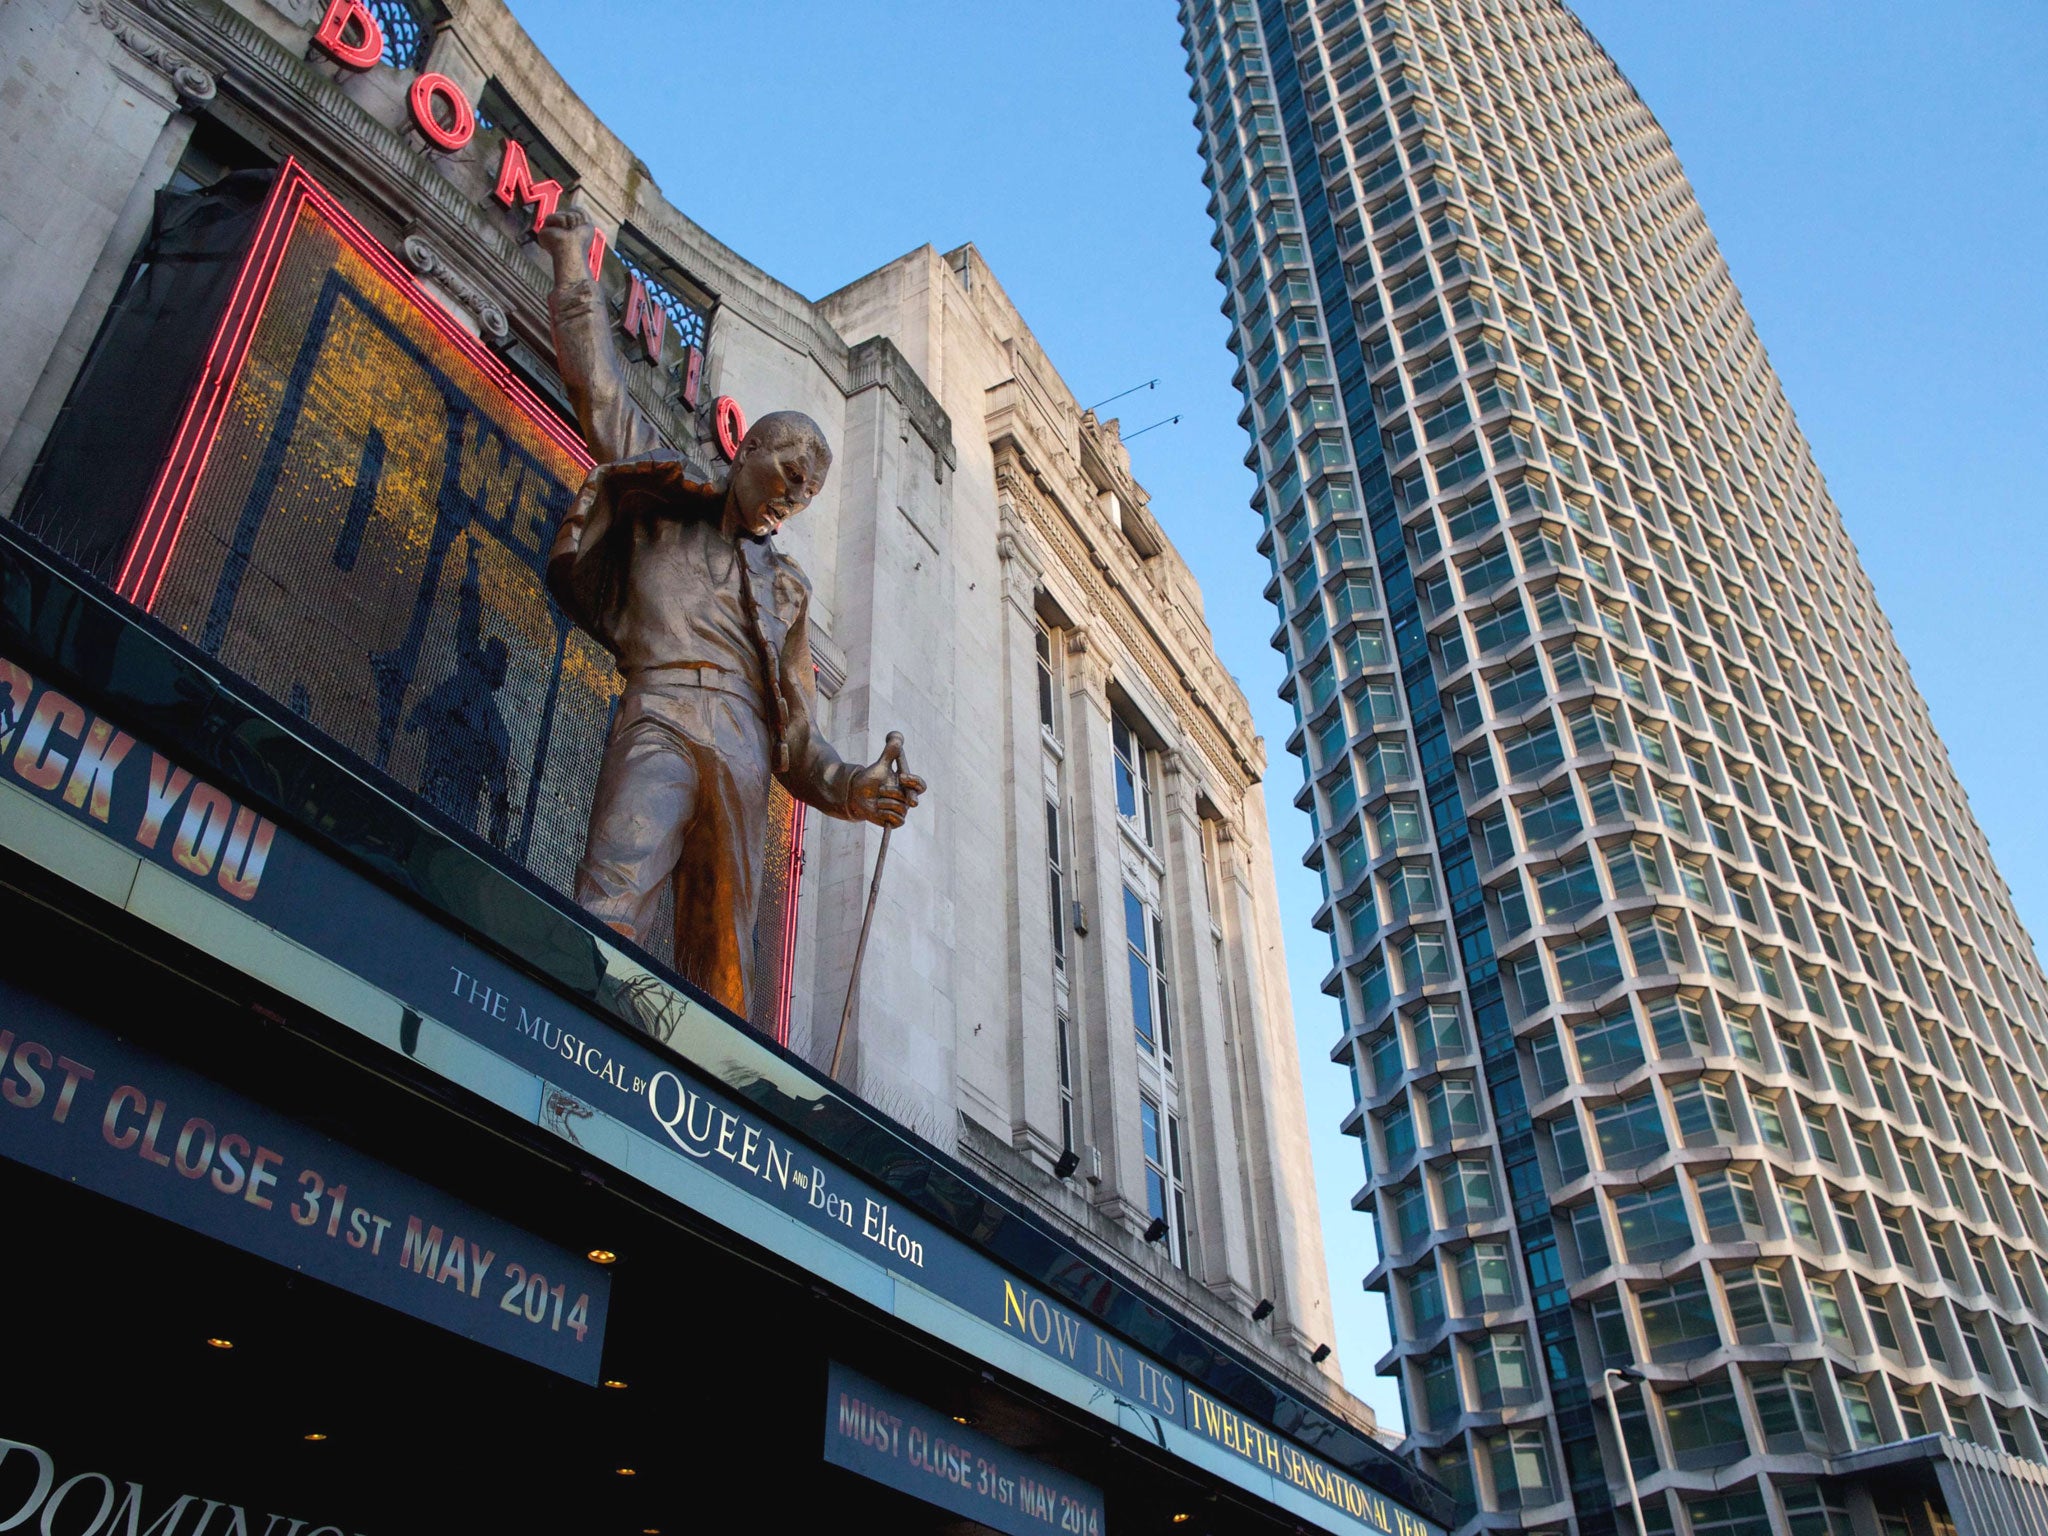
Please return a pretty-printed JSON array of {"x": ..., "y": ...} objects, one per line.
[
  {"x": 1063, "y": 1029},
  {"x": 1155, "y": 1156},
  {"x": 1178, "y": 1181},
  {"x": 1052, "y": 769},
  {"x": 1133, "y": 777},
  {"x": 1056, "y": 886},
  {"x": 1164, "y": 991},
  {"x": 1046, "y": 692},
  {"x": 1145, "y": 940},
  {"x": 1137, "y": 932},
  {"x": 1165, "y": 1197}
]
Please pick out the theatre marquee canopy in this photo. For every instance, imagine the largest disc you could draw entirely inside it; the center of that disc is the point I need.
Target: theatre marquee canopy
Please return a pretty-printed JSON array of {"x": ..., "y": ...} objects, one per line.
[{"x": 130, "y": 769}]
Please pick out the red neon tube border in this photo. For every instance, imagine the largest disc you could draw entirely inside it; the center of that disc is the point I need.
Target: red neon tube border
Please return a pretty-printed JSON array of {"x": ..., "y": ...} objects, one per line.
[
  {"x": 150, "y": 527},
  {"x": 162, "y": 524},
  {"x": 186, "y": 487}
]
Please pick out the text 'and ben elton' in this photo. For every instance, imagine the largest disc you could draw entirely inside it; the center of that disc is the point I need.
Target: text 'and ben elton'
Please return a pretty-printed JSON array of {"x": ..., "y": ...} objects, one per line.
[{"x": 698, "y": 1126}]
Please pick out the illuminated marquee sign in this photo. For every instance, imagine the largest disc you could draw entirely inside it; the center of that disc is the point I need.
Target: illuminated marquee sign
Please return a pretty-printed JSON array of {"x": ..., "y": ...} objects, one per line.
[
  {"x": 350, "y": 35},
  {"x": 85, "y": 1106},
  {"x": 682, "y": 1134},
  {"x": 355, "y": 514},
  {"x": 902, "y": 1444}
]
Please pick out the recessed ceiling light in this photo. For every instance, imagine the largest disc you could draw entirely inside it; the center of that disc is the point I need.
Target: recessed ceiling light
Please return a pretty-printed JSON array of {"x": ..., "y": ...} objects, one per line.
[
  {"x": 220, "y": 1343},
  {"x": 602, "y": 1256}
]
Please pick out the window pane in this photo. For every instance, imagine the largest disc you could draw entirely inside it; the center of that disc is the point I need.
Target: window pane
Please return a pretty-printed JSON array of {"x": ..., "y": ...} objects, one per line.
[
  {"x": 1653, "y": 1223},
  {"x": 1629, "y": 1131},
  {"x": 1135, "y": 935}
]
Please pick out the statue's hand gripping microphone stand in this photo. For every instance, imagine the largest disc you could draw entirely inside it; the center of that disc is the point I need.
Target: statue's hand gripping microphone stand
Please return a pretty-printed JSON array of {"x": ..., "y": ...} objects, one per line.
[{"x": 892, "y": 751}]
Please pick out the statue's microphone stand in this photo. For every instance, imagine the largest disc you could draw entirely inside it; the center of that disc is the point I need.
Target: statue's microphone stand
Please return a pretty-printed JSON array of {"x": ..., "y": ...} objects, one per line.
[{"x": 892, "y": 748}]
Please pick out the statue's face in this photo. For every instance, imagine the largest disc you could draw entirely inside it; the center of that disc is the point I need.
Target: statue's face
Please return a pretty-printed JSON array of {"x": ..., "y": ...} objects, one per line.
[{"x": 771, "y": 484}]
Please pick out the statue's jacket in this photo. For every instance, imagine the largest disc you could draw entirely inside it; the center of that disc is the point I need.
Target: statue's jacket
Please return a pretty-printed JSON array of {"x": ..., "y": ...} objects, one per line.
[{"x": 642, "y": 562}]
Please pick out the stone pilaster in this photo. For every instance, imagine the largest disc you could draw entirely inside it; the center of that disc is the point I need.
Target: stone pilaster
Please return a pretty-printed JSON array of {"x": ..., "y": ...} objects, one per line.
[{"x": 1211, "y": 1149}]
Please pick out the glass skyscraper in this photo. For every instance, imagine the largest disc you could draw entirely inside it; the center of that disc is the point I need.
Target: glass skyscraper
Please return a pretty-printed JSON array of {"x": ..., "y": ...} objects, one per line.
[{"x": 1692, "y": 1028}]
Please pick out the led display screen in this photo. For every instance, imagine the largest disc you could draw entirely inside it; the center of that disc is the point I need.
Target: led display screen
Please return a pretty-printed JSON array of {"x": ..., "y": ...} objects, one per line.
[{"x": 354, "y": 514}]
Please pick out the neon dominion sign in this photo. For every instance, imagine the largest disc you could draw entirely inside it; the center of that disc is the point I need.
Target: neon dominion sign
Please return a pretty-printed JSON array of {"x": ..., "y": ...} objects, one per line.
[{"x": 350, "y": 34}]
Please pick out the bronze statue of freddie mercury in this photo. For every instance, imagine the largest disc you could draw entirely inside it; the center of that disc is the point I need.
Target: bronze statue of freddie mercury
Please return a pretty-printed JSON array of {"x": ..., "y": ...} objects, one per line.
[{"x": 674, "y": 573}]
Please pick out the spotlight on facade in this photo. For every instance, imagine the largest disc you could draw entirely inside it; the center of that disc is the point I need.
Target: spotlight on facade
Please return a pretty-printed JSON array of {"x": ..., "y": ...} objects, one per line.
[
  {"x": 1319, "y": 1354},
  {"x": 1069, "y": 1161},
  {"x": 1156, "y": 1233},
  {"x": 1263, "y": 1310}
]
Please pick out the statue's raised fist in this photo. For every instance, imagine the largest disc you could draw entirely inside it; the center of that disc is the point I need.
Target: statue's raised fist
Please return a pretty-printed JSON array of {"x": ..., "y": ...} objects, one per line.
[{"x": 566, "y": 234}]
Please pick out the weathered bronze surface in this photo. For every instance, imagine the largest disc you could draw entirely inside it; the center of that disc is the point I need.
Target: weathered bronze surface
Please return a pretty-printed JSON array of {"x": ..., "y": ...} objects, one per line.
[{"x": 675, "y": 573}]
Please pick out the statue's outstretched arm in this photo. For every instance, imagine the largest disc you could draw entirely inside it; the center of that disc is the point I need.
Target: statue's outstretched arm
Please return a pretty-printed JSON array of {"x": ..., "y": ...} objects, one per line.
[{"x": 614, "y": 427}]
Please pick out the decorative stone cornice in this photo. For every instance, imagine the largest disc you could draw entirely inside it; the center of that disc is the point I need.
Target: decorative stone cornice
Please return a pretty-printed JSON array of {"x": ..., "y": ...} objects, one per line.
[
  {"x": 428, "y": 262},
  {"x": 193, "y": 84},
  {"x": 1022, "y": 568},
  {"x": 1174, "y": 672}
]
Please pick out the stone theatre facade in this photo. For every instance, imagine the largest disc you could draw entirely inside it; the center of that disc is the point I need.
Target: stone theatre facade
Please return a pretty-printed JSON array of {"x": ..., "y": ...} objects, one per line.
[{"x": 297, "y": 756}]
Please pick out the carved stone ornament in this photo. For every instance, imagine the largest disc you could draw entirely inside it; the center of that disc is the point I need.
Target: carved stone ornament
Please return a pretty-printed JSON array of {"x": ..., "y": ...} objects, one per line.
[
  {"x": 193, "y": 84},
  {"x": 490, "y": 316},
  {"x": 1087, "y": 666}
]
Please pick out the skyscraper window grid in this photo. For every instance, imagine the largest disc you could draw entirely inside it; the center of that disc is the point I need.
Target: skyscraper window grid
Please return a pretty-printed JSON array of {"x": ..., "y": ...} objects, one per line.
[{"x": 1734, "y": 953}]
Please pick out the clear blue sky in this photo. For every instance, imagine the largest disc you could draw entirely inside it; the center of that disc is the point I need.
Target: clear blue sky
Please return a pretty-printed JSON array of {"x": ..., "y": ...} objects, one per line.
[{"x": 1876, "y": 171}]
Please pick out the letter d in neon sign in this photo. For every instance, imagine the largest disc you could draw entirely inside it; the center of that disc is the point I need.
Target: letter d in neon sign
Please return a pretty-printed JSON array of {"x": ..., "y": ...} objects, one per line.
[{"x": 332, "y": 38}]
